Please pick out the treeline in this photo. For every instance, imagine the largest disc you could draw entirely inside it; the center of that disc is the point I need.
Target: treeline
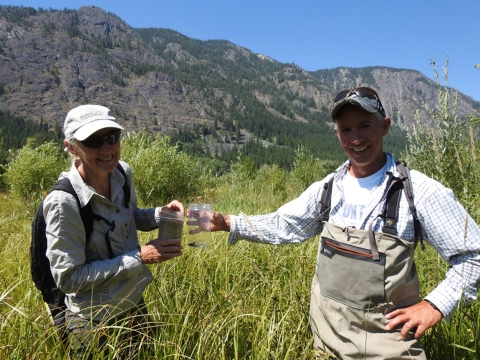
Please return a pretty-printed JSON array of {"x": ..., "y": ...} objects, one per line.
[
  {"x": 15, "y": 130},
  {"x": 19, "y": 14}
]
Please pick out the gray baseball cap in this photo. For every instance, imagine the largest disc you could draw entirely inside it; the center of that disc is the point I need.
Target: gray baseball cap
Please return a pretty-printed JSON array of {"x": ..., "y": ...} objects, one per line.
[
  {"x": 363, "y": 97},
  {"x": 84, "y": 120}
]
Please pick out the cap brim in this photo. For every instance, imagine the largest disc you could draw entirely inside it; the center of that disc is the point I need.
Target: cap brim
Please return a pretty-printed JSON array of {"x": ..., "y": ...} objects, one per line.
[
  {"x": 88, "y": 129},
  {"x": 357, "y": 101}
]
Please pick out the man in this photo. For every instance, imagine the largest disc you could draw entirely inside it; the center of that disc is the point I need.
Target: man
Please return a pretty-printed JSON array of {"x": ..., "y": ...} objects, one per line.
[{"x": 365, "y": 292}]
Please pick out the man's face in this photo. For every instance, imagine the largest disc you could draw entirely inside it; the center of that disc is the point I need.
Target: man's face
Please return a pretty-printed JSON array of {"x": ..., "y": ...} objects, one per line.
[{"x": 361, "y": 134}]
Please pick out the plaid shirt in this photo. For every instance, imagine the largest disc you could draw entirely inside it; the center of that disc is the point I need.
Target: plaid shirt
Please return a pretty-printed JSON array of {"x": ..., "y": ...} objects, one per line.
[{"x": 445, "y": 225}]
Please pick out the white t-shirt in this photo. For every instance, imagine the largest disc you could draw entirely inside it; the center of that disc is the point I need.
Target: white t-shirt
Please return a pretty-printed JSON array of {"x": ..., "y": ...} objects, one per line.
[{"x": 356, "y": 195}]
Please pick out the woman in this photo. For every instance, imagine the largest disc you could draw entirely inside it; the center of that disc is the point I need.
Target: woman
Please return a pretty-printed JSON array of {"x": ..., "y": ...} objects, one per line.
[{"x": 103, "y": 277}]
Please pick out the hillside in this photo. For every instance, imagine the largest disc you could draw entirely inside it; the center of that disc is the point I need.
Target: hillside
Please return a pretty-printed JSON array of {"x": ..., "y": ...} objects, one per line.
[{"x": 163, "y": 81}]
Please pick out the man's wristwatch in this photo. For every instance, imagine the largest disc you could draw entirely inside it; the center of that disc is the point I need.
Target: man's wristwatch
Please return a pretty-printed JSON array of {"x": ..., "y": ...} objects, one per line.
[{"x": 434, "y": 306}]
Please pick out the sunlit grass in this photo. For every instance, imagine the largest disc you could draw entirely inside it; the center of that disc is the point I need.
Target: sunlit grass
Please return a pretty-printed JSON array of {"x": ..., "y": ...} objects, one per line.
[{"x": 247, "y": 301}]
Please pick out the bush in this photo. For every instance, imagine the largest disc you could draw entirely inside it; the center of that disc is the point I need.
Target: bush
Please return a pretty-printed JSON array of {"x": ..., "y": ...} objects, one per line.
[
  {"x": 160, "y": 172},
  {"x": 33, "y": 170},
  {"x": 271, "y": 179},
  {"x": 242, "y": 170},
  {"x": 449, "y": 151},
  {"x": 307, "y": 169}
]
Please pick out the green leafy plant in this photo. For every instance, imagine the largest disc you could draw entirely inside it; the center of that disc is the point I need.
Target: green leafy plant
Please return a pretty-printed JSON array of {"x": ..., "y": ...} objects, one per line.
[
  {"x": 243, "y": 169},
  {"x": 448, "y": 151},
  {"x": 160, "y": 172},
  {"x": 32, "y": 171},
  {"x": 308, "y": 169},
  {"x": 272, "y": 179}
]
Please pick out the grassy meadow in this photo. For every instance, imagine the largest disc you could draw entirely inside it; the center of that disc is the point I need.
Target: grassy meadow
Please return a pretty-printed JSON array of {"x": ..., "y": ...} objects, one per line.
[{"x": 246, "y": 301}]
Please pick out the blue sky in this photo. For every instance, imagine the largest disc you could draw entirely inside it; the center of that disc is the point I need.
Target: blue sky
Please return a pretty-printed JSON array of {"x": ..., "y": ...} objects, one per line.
[{"x": 321, "y": 34}]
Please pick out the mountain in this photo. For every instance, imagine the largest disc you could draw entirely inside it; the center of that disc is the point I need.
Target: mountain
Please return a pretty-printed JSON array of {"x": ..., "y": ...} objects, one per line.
[
  {"x": 161, "y": 80},
  {"x": 403, "y": 91}
]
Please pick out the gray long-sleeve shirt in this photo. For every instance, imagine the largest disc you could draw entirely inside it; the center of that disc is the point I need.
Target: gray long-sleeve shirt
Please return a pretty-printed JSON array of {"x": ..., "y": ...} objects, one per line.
[{"x": 95, "y": 285}]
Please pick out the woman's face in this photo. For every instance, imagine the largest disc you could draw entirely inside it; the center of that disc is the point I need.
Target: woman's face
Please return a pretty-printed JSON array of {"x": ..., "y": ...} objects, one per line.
[{"x": 100, "y": 161}]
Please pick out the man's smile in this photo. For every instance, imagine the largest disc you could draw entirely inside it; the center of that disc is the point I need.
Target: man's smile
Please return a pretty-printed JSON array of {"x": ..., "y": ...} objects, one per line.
[{"x": 359, "y": 149}]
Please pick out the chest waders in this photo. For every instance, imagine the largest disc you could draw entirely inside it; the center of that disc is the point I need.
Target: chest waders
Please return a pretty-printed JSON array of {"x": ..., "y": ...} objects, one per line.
[{"x": 361, "y": 276}]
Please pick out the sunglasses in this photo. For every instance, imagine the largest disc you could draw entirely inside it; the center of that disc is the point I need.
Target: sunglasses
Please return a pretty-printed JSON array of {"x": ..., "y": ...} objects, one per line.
[
  {"x": 96, "y": 142},
  {"x": 363, "y": 92}
]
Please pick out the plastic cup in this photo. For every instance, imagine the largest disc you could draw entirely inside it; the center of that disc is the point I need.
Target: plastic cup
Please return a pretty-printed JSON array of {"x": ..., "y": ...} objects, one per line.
[
  {"x": 198, "y": 225},
  {"x": 170, "y": 225}
]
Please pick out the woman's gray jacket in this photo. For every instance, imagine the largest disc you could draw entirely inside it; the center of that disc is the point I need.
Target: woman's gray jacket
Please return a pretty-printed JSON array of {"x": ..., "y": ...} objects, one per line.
[{"x": 95, "y": 284}]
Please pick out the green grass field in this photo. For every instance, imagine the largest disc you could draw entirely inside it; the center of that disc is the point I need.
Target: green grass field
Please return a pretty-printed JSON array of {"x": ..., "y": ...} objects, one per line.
[{"x": 246, "y": 301}]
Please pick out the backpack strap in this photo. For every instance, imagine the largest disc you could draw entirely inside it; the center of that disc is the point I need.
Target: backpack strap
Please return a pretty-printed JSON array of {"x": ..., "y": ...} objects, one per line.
[
  {"x": 111, "y": 224},
  {"x": 126, "y": 186},
  {"x": 86, "y": 212}
]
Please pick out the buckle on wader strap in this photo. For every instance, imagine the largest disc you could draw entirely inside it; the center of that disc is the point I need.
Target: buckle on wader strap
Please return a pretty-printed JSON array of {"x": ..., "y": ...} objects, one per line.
[
  {"x": 390, "y": 216},
  {"x": 390, "y": 213}
]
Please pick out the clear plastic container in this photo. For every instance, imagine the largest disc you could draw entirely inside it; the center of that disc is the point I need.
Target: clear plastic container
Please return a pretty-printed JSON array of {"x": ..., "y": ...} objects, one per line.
[
  {"x": 198, "y": 225},
  {"x": 170, "y": 225}
]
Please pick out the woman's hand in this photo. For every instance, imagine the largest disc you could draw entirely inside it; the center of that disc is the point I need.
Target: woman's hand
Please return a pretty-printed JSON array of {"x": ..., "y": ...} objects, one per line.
[
  {"x": 157, "y": 250},
  {"x": 175, "y": 205}
]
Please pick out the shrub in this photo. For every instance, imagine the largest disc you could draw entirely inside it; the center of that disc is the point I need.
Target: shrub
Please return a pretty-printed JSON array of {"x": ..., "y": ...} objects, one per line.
[
  {"x": 242, "y": 170},
  {"x": 272, "y": 179},
  {"x": 33, "y": 170},
  {"x": 448, "y": 152},
  {"x": 160, "y": 172},
  {"x": 307, "y": 169}
]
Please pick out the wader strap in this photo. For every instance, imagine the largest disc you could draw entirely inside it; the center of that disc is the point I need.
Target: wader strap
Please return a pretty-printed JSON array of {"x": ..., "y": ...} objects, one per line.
[
  {"x": 325, "y": 200},
  {"x": 390, "y": 213},
  {"x": 407, "y": 185},
  {"x": 373, "y": 243}
]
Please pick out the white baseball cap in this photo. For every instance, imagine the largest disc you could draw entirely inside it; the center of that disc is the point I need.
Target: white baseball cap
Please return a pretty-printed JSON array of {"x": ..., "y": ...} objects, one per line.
[{"x": 84, "y": 120}]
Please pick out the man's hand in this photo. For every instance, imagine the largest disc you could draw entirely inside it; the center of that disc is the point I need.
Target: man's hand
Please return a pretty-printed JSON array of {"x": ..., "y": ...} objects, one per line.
[
  {"x": 418, "y": 318},
  {"x": 219, "y": 222},
  {"x": 157, "y": 250},
  {"x": 208, "y": 221}
]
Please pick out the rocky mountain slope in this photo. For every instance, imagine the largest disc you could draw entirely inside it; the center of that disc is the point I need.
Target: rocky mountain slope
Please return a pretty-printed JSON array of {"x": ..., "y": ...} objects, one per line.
[{"x": 51, "y": 61}]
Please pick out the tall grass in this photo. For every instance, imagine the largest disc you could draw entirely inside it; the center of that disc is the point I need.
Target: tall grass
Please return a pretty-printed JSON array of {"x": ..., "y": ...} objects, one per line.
[
  {"x": 246, "y": 301},
  {"x": 223, "y": 302}
]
